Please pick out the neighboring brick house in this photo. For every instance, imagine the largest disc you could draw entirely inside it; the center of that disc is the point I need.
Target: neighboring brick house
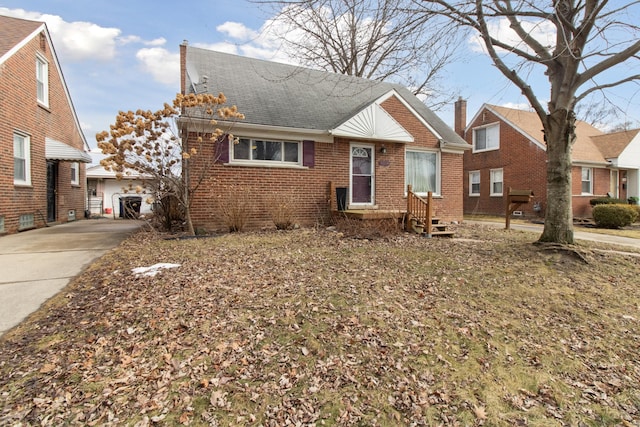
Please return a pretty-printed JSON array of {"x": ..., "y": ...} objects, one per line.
[
  {"x": 509, "y": 151},
  {"x": 306, "y": 128},
  {"x": 42, "y": 148}
]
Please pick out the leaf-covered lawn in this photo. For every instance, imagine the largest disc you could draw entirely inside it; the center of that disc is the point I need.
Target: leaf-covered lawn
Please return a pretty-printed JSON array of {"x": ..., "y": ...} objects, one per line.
[{"x": 313, "y": 328}]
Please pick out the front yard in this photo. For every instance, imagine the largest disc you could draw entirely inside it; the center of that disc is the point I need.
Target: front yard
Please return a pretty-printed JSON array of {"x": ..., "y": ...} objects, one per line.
[{"x": 309, "y": 327}]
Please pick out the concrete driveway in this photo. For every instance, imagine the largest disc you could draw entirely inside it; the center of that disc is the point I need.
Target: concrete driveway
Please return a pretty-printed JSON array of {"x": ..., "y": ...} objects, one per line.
[{"x": 35, "y": 265}]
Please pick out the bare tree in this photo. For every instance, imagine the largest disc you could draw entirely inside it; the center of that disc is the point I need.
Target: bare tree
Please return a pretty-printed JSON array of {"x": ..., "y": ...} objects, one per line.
[
  {"x": 155, "y": 145},
  {"x": 374, "y": 39},
  {"x": 590, "y": 39}
]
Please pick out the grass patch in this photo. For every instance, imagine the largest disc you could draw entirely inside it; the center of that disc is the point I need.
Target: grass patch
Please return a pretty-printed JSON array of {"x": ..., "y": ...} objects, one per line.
[{"x": 310, "y": 327}]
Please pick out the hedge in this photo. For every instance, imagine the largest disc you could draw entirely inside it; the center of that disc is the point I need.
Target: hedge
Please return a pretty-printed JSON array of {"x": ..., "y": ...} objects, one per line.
[{"x": 614, "y": 216}]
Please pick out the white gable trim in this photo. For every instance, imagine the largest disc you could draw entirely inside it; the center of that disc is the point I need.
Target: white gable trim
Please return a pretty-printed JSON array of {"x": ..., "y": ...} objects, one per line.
[
  {"x": 20, "y": 45},
  {"x": 373, "y": 123},
  {"x": 507, "y": 121},
  {"x": 411, "y": 109}
]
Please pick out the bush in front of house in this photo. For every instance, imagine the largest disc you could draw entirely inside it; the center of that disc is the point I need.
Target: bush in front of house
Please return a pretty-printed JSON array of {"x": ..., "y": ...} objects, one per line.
[
  {"x": 614, "y": 216},
  {"x": 607, "y": 201}
]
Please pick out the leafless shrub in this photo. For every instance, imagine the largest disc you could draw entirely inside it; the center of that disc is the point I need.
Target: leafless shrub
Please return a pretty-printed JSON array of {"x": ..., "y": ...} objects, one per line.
[
  {"x": 282, "y": 209},
  {"x": 235, "y": 206}
]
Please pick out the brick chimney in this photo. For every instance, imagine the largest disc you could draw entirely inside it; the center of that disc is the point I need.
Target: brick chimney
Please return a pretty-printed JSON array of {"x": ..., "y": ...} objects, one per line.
[{"x": 460, "y": 116}]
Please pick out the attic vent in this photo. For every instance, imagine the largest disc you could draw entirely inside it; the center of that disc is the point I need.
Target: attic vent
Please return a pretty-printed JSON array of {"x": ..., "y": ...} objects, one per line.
[
  {"x": 26, "y": 222},
  {"x": 71, "y": 216}
]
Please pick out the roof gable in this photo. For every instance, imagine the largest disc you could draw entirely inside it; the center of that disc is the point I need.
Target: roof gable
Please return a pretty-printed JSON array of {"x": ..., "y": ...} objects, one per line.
[
  {"x": 284, "y": 96},
  {"x": 18, "y": 33},
  {"x": 529, "y": 125},
  {"x": 15, "y": 33},
  {"x": 373, "y": 122}
]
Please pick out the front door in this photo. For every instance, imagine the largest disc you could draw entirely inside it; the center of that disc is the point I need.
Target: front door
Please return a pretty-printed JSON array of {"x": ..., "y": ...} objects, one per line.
[
  {"x": 52, "y": 179},
  {"x": 362, "y": 175}
]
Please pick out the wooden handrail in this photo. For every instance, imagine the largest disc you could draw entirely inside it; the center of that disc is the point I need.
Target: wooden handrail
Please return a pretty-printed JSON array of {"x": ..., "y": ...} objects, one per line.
[{"x": 420, "y": 209}]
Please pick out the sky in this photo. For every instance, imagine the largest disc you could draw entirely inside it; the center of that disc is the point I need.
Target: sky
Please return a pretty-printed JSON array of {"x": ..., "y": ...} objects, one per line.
[{"x": 124, "y": 55}]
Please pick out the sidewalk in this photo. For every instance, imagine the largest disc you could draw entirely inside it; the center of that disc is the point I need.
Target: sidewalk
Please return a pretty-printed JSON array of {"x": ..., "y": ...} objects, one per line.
[
  {"x": 37, "y": 264},
  {"x": 579, "y": 234}
]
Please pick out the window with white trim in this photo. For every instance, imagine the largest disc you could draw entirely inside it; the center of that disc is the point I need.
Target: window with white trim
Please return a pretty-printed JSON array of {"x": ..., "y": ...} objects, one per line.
[
  {"x": 42, "y": 80},
  {"x": 496, "y": 182},
  {"x": 474, "y": 183},
  {"x": 422, "y": 171},
  {"x": 75, "y": 173},
  {"x": 21, "y": 159},
  {"x": 587, "y": 181},
  {"x": 486, "y": 138},
  {"x": 266, "y": 151}
]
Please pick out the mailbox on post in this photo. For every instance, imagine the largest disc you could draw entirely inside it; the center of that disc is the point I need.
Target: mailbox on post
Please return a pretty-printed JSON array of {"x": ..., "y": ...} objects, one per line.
[{"x": 515, "y": 199}]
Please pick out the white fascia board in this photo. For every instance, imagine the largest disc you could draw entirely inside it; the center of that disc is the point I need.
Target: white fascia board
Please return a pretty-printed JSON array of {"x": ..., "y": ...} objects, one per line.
[
  {"x": 258, "y": 131},
  {"x": 20, "y": 45},
  {"x": 393, "y": 92}
]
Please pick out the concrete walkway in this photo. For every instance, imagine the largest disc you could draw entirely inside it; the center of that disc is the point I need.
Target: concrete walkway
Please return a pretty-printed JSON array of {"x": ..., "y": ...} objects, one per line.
[
  {"x": 35, "y": 265},
  {"x": 578, "y": 233}
]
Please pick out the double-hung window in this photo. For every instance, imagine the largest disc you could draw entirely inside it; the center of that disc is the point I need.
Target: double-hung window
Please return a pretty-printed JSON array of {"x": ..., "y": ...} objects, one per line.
[
  {"x": 21, "y": 159},
  {"x": 422, "y": 171},
  {"x": 587, "y": 181},
  {"x": 486, "y": 138},
  {"x": 266, "y": 151},
  {"x": 42, "y": 81},
  {"x": 496, "y": 182},
  {"x": 474, "y": 183}
]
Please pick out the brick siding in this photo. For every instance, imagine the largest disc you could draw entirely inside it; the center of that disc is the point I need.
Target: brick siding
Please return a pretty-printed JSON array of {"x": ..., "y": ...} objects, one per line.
[
  {"x": 308, "y": 187},
  {"x": 20, "y": 111}
]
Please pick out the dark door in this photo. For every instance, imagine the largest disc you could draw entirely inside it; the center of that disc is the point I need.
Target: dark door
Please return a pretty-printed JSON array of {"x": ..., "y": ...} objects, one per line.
[{"x": 52, "y": 179}]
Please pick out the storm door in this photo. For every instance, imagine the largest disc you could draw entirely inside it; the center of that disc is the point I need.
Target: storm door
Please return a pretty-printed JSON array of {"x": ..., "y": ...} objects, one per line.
[
  {"x": 362, "y": 175},
  {"x": 52, "y": 180}
]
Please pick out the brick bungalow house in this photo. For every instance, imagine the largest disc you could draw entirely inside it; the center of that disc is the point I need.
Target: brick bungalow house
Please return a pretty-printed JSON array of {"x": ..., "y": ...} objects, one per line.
[
  {"x": 42, "y": 148},
  {"x": 306, "y": 128},
  {"x": 509, "y": 151}
]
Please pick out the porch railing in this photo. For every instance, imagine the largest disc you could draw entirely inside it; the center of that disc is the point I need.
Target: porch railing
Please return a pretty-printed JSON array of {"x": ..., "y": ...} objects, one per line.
[{"x": 420, "y": 210}]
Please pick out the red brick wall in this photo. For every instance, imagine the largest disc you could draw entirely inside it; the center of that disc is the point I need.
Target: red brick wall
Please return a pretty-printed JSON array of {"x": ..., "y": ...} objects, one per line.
[
  {"x": 309, "y": 187},
  {"x": 19, "y": 110},
  {"x": 581, "y": 203},
  {"x": 524, "y": 167}
]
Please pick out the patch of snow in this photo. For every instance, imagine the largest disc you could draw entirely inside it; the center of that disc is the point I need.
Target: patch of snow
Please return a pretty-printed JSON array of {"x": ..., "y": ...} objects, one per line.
[{"x": 152, "y": 270}]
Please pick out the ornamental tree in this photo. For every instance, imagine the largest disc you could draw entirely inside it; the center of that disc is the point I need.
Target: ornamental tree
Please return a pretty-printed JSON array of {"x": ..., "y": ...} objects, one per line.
[{"x": 162, "y": 147}]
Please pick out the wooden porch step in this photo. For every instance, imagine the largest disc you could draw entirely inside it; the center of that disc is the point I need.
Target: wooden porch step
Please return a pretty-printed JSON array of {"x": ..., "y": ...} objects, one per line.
[{"x": 441, "y": 233}]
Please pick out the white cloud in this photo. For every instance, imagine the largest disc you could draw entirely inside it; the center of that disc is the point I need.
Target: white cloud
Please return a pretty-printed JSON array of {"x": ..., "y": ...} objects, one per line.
[
  {"x": 237, "y": 31},
  {"x": 542, "y": 31},
  {"x": 74, "y": 41},
  {"x": 163, "y": 65}
]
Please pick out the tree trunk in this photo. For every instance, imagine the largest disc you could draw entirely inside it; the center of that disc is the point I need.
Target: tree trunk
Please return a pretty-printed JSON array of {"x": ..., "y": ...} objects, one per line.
[{"x": 560, "y": 134}]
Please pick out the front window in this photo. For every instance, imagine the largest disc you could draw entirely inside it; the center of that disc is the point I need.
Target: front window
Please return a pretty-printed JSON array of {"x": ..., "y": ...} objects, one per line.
[
  {"x": 42, "y": 79},
  {"x": 421, "y": 171},
  {"x": 21, "y": 159},
  {"x": 496, "y": 182},
  {"x": 587, "y": 181},
  {"x": 474, "y": 183},
  {"x": 486, "y": 138},
  {"x": 256, "y": 150},
  {"x": 75, "y": 173}
]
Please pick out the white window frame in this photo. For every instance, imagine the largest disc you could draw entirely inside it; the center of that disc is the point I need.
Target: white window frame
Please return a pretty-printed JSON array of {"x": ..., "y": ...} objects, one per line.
[
  {"x": 436, "y": 191},
  {"x": 589, "y": 181},
  {"x": 473, "y": 174},
  {"x": 26, "y": 148},
  {"x": 492, "y": 138},
  {"x": 493, "y": 180},
  {"x": 260, "y": 162},
  {"x": 42, "y": 80},
  {"x": 75, "y": 173}
]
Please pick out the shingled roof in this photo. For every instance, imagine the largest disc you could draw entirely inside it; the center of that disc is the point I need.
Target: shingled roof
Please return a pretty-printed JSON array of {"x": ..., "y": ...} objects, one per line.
[
  {"x": 287, "y": 96},
  {"x": 13, "y": 31},
  {"x": 527, "y": 122}
]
